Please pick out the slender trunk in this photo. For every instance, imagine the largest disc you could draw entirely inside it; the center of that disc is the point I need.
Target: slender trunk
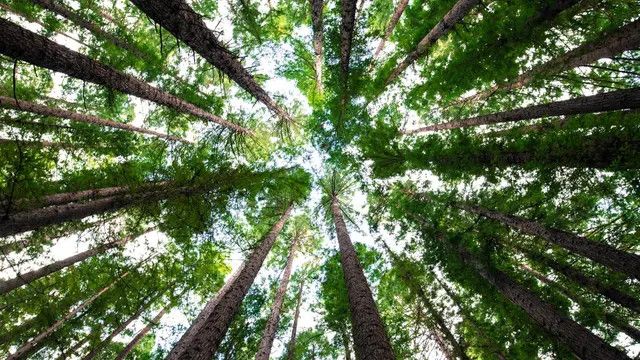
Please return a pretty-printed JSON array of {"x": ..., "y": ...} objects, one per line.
[
  {"x": 347, "y": 25},
  {"x": 186, "y": 25},
  {"x": 23, "y": 105},
  {"x": 317, "y": 7},
  {"x": 576, "y": 337},
  {"x": 397, "y": 13},
  {"x": 610, "y": 101},
  {"x": 72, "y": 16},
  {"x": 608, "y": 317},
  {"x": 345, "y": 344},
  {"x": 442, "y": 345},
  {"x": 618, "y": 260},
  {"x": 369, "y": 336},
  {"x": 269, "y": 334},
  {"x": 25, "y": 45},
  {"x": 584, "y": 280},
  {"x": 202, "y": 342},
  {"x": 132, "y": 344},
  {"x": 23, "y": 350},
  {"x": 291, "y": 348},
  {"x": 442, "y": 28},
  {"x": 69, "y": 353},
  {"x": 611, "y": 44}
]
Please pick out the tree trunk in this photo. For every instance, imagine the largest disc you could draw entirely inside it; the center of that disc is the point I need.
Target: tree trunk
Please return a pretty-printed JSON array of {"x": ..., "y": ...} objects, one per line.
[
  {"x": 576, "y": 337},
  {"x": 611, "y": 44},
  {"x": 23, "y": 350},
  {"x": 618, "y": 260},
  {"x": 454, "y": 16},
  {"x": 23, "y": 105},
  {"x": 610, "y": 101},
  {"x": 291, "y": 348},
  {"x": 202, "y": 342},
  {"x": 397, "y": 13},
  {"x": 186, "y": 25},
  {"x": 132, "y": 344},
  {"x": 584, "y": 280},
  {"x": 369, "y": 336},
  {"x": 317, "y": 7},
  {"x": 269, "y": 334},
  {"x": 25, "y": 45},
  {"x": 347, "y": 25},
  {"x": 71, "y": 352}
]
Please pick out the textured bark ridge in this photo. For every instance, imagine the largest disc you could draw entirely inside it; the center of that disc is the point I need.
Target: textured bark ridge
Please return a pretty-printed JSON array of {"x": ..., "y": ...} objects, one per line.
[
  {"x": 457, "y": 12},
  {"x": 621, "y": 261},
  {"x": 25, "y": 45},
  {"x": 395, "y": 18},
  {"x": 23, "y": 105},
  {"x": 145, "y": 330},
  {"x": 27, "y": 347},
  {"x": 291, "y": 347},
  {"x": 318, "y": 34},
  {"x": 609, "y": 101},
  {"x": 369, "y": 335},
  {"x": 186, "y": 25},
  {"x": 616, "y": 42},
  {"x": 209, "y": 331},
  {"x": 269, "y": 334},
  {"x": 580, "y": 340},
  {"x": 348, "y": 16}
]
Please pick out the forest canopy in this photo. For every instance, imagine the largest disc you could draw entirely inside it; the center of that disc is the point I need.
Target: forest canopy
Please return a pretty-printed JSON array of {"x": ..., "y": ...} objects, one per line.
[{"x": 319, "y": 179}]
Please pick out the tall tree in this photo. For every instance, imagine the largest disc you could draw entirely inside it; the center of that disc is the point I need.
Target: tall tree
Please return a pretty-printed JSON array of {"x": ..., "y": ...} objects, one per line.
[
  {"x": 347, "y": 25},
  {"x": 142, "y": 333},
  {"x": 317, "y": 7},
  {"x": 397, "y": 13},
  {"x": 291, "y": 346}
]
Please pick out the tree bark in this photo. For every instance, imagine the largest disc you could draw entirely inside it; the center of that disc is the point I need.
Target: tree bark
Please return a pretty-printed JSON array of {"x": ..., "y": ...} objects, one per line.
[
  {"x": 395, "y": 18},
  {"x": 576, "y": 337},
  {"x": 186, "y": 25},
  {"x": 347, "y": 25},
  {"x": 317, "y": 7},
  {"x": 202, "y": 342},
  {"x": 369, "y": 336},
  {"x": 442, "y": 28},
  {"x": 609, "y": 101},
  {"x": 291, "y": 347},
  {"x": 618, "y": 260},
  {"x": 269, "y": 334},
  {"x": 611, "y": 44},
  {"x": 23, "y": 105},
  {"x": 25, "y": 349},
  {"x": 25, "y": 45},
  {"x": 140, "y": 335}
]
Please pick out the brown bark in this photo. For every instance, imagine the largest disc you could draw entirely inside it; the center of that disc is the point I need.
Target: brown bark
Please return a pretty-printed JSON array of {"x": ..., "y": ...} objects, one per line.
[
  {"x": 25, "y": 45},
  {"x": 369, "y": 336},
  {"x": 26, "y": 348},
  {"x": 140, "y": 335},
  {"x": 291, "y": 347},
  {"x": 618, "y": 260},
  {"x": 609, "y": 101},
  {"x": 576, "y": 337},
  {"x": 395, "y": 18},
  {"x": 611, "y": 44},
  {"x": 347, "y": 25},
  {"x": 442, "y": 28},
  {"x": 202, "y": 342},
  {"x": 23, "y": 105},
  {"x": 186, "y": 25},
  {"x": 269, "y": 334},
  {"x": 317, "y": 7}
]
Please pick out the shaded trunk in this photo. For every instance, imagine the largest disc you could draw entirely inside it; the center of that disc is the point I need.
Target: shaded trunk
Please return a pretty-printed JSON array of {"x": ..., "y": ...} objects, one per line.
[
  {"x": 397, "y": 13},
  {"x": 269, "y": 334},
  {"x": 588, "y": 282},
  {"x": 347, "y": 25},
  {"x": 186, "y": 25},
  {"x": 609, "y": 45},
  {"x": 610, "y": 101},
  {"x": 23, "y": 105},
  {"x": 442, "y": 28},
  {"x": 25, "y": 45},
  {"x": 369, "y": 336},
  {"x": 69, "y": 353},
  {"x": 140, "y": 335},
  {"x": 317, "y": 7},
  {"x": 442, "y": 345},
  {"x": 26, "y": 348},
  {"x": 202, "y": 340},
  {"x": 291, "y": 347},
  {"x": 576, "y": 337},
  {"x": 618, "y": 260}
]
